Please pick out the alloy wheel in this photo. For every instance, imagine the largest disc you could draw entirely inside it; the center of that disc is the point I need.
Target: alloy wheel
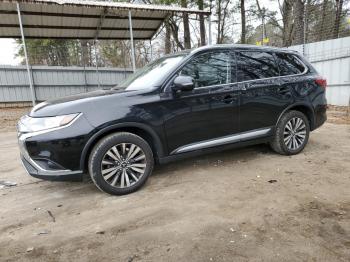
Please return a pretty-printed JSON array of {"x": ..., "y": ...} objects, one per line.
[
  {"x": 294, "y": 133},
  {"x": 123, "y": 165}
]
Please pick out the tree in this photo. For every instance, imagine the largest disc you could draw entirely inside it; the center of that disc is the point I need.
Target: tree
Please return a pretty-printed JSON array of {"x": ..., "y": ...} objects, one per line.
[
  {"x": 287, "y": 11},
  {"x": 167, "y": 42},
  {"x": 299, "y": 10},
  {"x": 187, "y": 34},
  {"x": 243, "y": 26},
  {"x": 339, "y": 8},
  {"x": 222, "y": 15},
  {"x": 323, "y": 18},
  {"x": 201, "y": 22},
  {"x": 48, "y": 51}
]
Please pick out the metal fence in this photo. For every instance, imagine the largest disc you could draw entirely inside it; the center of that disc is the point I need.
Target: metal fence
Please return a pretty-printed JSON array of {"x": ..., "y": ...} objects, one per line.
[
  {"x": 55, "y": 81},
  {"x": 331, "y": 58}
]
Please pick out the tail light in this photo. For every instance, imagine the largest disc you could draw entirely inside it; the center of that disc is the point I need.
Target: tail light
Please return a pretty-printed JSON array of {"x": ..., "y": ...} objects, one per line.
[{"x": 322, "y": 82}]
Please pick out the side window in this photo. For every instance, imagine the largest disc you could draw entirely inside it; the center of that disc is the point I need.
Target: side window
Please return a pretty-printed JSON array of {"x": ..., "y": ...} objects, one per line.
[
  {"x": 289, "y": 64},
  {"x": 253, "y": 65},
  {"x": 208, "y": 69}
]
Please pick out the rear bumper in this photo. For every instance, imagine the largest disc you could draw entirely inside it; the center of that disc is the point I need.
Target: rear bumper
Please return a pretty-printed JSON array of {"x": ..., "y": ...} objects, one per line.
[{"x": 320, "y": 116}]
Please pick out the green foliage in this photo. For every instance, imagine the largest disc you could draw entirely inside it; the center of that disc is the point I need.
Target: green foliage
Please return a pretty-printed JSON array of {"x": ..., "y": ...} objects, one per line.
[{"x": 49, "y": 51}]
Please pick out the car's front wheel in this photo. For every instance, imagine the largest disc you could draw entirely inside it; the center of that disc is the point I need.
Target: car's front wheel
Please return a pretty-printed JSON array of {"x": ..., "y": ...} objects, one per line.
[
  {"x": 292, "y": 133},
  {"x": 120, "y": 163}
]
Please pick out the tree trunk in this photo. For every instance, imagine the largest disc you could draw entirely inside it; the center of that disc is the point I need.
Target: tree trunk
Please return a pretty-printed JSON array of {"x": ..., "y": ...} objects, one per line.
[
  {"x": 187, "y": 35},
  {"x": 223, "y": 21},
  {"x": 321, "y": 33},
  {"x": 201, "y": 23},
  {"x": 84, "y": 53},
  {"x": 286, "y": 12},
  {"x": 243, "y": 33},
  {"x": 175, "y": 32},
  {"x": 339, "y": 5},
  {"x": 218, "y": 41},
  {"x": 167, "y": 43},
  {"x": 261, "y": 15},
  {"x": 299, "y": 6}
]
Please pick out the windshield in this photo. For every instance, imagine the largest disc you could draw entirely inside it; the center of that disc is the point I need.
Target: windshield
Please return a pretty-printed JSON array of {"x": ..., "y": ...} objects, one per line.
[{"x": 151, "y": 74}]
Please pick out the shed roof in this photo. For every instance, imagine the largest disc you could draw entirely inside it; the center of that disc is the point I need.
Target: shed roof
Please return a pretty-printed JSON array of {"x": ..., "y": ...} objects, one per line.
[{"x": 77, "y": 19}]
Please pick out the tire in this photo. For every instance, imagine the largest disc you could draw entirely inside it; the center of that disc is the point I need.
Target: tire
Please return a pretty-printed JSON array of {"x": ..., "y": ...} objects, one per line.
[
  {"x": 284, "y": 146},
  {"x": 115, "y": 169}
]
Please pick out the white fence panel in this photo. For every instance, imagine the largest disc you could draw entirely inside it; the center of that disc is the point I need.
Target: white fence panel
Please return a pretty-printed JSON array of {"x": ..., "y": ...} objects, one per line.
[
  {"x": 55, "y": 81},
  {"x": 331, "y": 58}
]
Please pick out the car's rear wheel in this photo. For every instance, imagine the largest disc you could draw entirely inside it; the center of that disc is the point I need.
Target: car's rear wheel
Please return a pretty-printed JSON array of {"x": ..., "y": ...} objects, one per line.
[
  {"x": 120, "y": 163},
  {"x": 292, "y": 133}
]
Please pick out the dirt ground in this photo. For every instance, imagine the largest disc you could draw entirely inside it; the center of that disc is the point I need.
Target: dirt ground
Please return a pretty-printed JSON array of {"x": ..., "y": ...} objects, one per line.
[{"x": 240, "y": 205}]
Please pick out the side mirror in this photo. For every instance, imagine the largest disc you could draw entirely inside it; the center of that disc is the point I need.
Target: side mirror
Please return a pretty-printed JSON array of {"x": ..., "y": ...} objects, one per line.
[{"x": 183, "y": 83}]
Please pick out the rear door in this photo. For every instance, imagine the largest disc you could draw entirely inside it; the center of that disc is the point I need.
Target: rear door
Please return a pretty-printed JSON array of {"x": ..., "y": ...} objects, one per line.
[{"x": 262, "y": 97}]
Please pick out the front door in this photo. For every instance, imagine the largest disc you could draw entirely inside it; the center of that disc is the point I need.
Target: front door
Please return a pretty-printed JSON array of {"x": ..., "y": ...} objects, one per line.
[{"x": 210, "y": 111}]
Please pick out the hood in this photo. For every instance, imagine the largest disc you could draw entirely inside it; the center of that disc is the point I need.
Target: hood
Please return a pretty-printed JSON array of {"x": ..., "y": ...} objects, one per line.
[{"x": 79, "y": 103}]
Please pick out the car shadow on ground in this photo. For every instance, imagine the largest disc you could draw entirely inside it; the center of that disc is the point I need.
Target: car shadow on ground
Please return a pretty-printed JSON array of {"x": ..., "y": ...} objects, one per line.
[
  {"x": 245, "y": 154},
  {"x": 181, "y": 167}
]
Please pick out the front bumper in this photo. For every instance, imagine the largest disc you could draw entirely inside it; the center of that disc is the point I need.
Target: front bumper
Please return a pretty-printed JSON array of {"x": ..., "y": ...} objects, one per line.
[{"x": 37, "y": 171}]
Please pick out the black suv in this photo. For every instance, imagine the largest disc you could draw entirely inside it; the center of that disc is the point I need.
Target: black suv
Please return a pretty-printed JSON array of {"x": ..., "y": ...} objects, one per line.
[{"x": 192, "y": 102}]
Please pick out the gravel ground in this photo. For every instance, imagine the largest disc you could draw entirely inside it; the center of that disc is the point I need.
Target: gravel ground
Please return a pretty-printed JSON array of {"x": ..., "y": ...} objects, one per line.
[{"x": 240, "y": 205}]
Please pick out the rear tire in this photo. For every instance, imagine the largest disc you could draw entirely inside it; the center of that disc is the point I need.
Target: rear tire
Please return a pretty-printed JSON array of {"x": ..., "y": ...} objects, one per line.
[
  {"x": 120, "y": 163},
  {"x": 291, "y": 134}
]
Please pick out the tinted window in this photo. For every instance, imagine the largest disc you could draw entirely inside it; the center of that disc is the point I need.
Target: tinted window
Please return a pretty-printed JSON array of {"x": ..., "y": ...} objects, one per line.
[
  {"x": 209, "y": 69},
  {"x": 289, "y": 64},
  {"x": 255, "y": 65}
]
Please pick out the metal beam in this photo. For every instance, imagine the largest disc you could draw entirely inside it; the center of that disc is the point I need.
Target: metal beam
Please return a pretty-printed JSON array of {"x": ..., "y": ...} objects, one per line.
[
  {"x": 41, "y": 14},
  {"x": 109, "y": 28},
  {"x": 75, "y": 37},
  {"x": 26, "y": 56},
  {"x": 132, "y": 43}
]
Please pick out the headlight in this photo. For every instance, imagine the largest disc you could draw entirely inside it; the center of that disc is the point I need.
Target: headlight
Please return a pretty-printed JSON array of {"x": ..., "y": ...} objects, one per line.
[{"x": 33, "y": 124}]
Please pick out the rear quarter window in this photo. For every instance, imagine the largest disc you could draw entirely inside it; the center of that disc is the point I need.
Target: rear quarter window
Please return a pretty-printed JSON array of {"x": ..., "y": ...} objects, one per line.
[{"x": 289, "y": 64}]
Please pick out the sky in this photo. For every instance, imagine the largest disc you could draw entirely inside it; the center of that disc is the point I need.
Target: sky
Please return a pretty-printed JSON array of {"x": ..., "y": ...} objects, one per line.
[{"x": 8, "y": 47}]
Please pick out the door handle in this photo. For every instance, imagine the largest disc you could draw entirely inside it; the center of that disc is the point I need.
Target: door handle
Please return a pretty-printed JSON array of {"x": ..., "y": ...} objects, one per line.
[{"x": 228, "y": 99}]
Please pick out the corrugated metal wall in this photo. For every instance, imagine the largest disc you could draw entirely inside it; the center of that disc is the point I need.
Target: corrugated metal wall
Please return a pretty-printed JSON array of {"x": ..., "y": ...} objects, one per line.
[
  {"x": 53, "y": 82},
  {"x": 331, "y": 59}
]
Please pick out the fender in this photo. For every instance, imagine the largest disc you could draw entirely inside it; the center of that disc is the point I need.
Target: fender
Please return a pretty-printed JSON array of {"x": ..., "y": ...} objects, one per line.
[
  {"x": 303, "y": 104},
  {"x": 92, "y": 140}
]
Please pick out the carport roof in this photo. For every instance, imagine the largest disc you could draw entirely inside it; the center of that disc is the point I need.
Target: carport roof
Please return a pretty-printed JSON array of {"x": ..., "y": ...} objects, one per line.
[{"x": 74, "y": 19}]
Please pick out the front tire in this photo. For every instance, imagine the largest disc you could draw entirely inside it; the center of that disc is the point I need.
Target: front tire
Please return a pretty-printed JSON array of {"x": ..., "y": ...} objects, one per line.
[
  {"x": 120, "y": 163},
  {"x": 292, "y": 133}
]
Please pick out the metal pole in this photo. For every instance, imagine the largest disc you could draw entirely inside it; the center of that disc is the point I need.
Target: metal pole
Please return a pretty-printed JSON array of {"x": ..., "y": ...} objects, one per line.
[
  {"x": 26, "y": 56},
  {"x": 132, "y": 43},
  {"x": 209, "y": 27}
]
